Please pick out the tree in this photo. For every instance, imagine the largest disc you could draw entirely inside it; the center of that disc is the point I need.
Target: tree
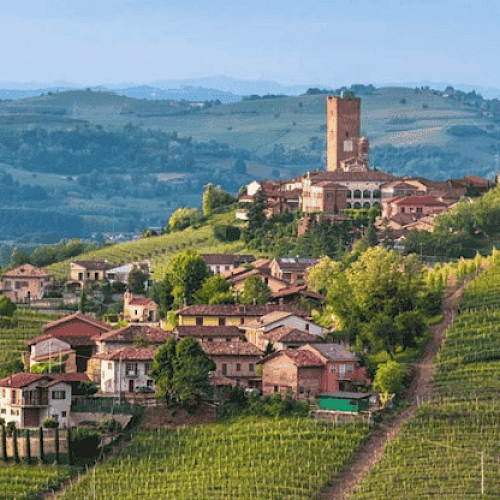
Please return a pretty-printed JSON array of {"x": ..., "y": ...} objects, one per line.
[
  {"x": 185, "y": 273},
  {"x": 180, "y": 371},
  {"x": 7, "y": 307},
  {"x": 214, "y": 290},
  {"x": 215, "y": 197},
  {"x": 389, "y": 377},
  {"x": 136, "y": 280},
  {"x": 321, "y": 275},
  {"x": 82, "y": 302},
  {"x": 255, "y": 291},
  {"x": 161, "y": 293},
  {"x": 184, "y": 217}
]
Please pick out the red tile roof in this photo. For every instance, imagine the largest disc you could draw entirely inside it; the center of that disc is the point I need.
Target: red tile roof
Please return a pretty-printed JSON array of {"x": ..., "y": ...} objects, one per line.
[
  {"x": 300, "y": 358},
  {"x": 421, "y": 200},
  {"x": 143, "y": 301},
  {"x": 208, "y": 331},
  {"x": 132, "y": 333},
  {"x": 26, "y": 271},
  {"x": 98, "y": 265},
  {"x": 19, "y": 380},
  {"x": 226, "y": 258},
  {"x": 130, "y": 354},
  {"x": 290, "y": 334},
  {"x": 91, "y": 320},
  {"x": 238, "y": 310},
  {"x": 236, "y": 348}
]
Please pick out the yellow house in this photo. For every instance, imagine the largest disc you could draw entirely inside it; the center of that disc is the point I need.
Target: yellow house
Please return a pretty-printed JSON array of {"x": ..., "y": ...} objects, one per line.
[
  {"x": 24, "y": 283},
  {"x": 84, "y": 271}
]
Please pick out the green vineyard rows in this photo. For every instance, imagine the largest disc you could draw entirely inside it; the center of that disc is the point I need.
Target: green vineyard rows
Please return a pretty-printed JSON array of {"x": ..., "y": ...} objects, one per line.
[
  {"x": 247, "y": 459},
  {"x": 451, "y": 447}
]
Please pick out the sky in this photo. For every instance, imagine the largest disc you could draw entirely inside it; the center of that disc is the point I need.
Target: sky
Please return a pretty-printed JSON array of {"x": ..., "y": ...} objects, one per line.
[{"x": 327, "y": 42}]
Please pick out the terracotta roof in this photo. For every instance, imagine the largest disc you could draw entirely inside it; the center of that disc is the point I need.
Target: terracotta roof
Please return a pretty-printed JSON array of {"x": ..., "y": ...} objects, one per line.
[
  {"x": 329, "y": 184},
  {"x": 300, "y": 358},
  {"x": 335, "y": 352},
  {"x": 130, "y": 354},
  {"x": 260, "y": 263},
  {"x": 132, "y": 333},
  {"x": 226, "y": 258},
  {"x": 478, "y": 180},
  {"x": 143, "y": 301},
  {"x": 208, "y": 331},
  {"x": 19, "y": 380},
  {"x": 98, "y": 265},
  {"x": 293, "y": 263},
  {"x": 220, "y": 380},
  {"x": 238, "y": 310},
  {"x": 70, "y": 377},
  {"x": 268, "y": 319},
  {"x": 236, "y": 348},
  {"x": 72, "y": 338},
  {"x": 298, "y": 289},
  {"x": 290, "y": 334},
  {"x": 81, "y": 317},
  {"x": 341, "y": 176},
  {"x": 26, "y": 271},
  {"x": 421, "y": 200}
]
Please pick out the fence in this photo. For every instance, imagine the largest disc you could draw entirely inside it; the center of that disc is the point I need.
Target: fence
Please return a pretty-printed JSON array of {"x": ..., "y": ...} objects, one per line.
[{"x": 102, "y": 405}]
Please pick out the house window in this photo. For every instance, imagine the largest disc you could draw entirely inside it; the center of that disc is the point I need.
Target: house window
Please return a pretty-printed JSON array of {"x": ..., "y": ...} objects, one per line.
[
  {"x": 238, "y": 367},
  {"x": 149, "y": 383},
  {"x": 3, "y": 411},
  {"x": 131, "y": 369},
  {"x": 224, "y": 369},
  {"x": 80, "y": 276},
  {"x": 242, "y": 321},
  {"x": 63, "y": 414},
  {"x": 333, "y": 369},
  {"x": 199, "y": 320},
  {"x": 251, "y": 367},
  {"x": 14, "y": 412},
  {"x": 349, "y": 194},
  {"x": 276, "y": 388},
  {"x": 222, "y": 321},
  {"x": 307, "y": 327},
  {"x": 58, "y": 394},
  {"x": 3, "y": 393},
  {"x": 148, "y": 367},
  {"x": 110, "y": 365},
  {"x": 357, "y": 193}
]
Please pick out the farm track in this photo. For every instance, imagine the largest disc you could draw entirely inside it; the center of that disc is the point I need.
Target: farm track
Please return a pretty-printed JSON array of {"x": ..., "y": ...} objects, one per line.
[{"x": 423, "y": 372}]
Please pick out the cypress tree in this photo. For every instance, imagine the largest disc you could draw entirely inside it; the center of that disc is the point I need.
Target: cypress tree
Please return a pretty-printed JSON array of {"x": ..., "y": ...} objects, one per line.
[
  {"x": 28, "y": 446},
  {"x": 70, "y": 447},
  {"x": 14, "y": 445},
  {"x": 4, "y": 444},
  {"x": 42, "y": 454},
  {"x": 56, "y": 439}
]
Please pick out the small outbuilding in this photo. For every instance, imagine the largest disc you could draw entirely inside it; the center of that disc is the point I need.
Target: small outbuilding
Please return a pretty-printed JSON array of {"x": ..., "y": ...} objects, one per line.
[{"x": 344, "y": 401}]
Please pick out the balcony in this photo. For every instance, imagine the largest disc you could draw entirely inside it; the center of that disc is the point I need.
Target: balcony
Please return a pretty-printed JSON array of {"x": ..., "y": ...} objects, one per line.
[
  {"x": 131, "y": 373},
  {"x": 30, "y": 401}
]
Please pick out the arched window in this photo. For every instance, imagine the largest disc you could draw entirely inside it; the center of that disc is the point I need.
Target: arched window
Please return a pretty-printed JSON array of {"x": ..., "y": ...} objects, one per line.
[
  {"x": 357, "y": 205},
  {"x": 367, "y": 194},
  {"x": 348, "y": 205},
  {"x": 377, "y": 193},
  {"x": 376, "y": 205},
  {"x": 357, "y": 193},
  {"x": 366, "y": 204},
  {"x": 349, "y": 194}
]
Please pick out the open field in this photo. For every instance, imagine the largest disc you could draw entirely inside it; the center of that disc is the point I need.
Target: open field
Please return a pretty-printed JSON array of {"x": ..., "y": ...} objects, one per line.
[
  {"x": 450, "y": 449},
  {"x": 244, "y": 459}
]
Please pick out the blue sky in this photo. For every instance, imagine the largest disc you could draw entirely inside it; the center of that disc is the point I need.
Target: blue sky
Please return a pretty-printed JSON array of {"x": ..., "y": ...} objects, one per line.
[{"x": 324, "y": 42}]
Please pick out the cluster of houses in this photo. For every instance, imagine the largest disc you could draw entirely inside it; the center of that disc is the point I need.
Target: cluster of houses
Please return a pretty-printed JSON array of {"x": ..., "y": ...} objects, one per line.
[
  {"x": 275, "y": 348},
  {"x": 406, "y": 203}
]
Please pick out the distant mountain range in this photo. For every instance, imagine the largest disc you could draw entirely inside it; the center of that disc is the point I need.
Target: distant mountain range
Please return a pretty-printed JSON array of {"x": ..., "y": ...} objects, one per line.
[{"x": 210, "y": 88}]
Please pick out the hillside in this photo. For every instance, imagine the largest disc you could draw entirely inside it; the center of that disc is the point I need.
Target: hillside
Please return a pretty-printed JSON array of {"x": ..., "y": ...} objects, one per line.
[
  {"x": 124, "y": 163},
  {"x": 458, "y": 429}
]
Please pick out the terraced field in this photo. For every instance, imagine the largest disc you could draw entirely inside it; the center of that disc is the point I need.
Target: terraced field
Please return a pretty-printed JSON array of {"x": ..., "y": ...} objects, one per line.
[{"x": 451, "y": 448}]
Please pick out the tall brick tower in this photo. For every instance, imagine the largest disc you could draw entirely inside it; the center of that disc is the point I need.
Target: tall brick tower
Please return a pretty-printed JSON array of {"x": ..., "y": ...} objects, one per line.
[{"x": 342, "y": 131}]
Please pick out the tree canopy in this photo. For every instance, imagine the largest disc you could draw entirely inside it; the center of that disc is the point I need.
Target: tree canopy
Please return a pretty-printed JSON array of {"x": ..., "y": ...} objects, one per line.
[
  {"x": 181, "y": 370},
  {"x": 255, "y": 291}
]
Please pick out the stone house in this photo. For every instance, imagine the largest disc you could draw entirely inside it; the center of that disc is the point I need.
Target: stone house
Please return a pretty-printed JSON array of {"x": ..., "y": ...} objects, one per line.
[
  {"x": 324, "y": 196},
  {"x": 417, "y": 205},
  {"x": 238, "y": 280},
  {"x": 311, "y": 370},
  {"x": 234, "y": 360},
  {"x": 24, "y": 283},
  {"x": 140, "y": 309},
  {"x": 291, "y": 269},
  {"x": 89, "y": 271},
  {"x": 223, "y": 263}
]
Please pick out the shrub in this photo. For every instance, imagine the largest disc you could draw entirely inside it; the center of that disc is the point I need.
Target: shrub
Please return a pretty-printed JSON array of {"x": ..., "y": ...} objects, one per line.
[
  {"x": 50, "y": 423},
  {"x": 85, "y": 442},
  {"x": 227, "y": 233}
]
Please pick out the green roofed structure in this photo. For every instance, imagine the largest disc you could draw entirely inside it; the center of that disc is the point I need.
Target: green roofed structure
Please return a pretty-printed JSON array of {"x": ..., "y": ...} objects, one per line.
[{"x": 344, "y": 401}]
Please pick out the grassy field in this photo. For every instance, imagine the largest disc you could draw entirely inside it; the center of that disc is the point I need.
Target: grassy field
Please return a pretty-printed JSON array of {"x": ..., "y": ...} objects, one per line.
[
  {"x": 451, "y": 449},
  {"x": 245, "y": 459},
  {"x": 159, "y": 249}
]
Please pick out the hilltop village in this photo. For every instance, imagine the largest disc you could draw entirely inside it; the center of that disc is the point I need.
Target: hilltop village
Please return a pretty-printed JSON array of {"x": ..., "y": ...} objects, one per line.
[{"x": 266, "y": 334}]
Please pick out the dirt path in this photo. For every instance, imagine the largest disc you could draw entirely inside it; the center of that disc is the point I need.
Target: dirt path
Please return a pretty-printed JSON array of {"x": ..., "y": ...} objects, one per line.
[{"x": 423, "y": 372}]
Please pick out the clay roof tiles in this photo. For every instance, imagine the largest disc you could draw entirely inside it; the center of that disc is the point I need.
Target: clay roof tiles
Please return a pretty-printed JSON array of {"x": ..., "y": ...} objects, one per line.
[
  {"x": 229, "y": 348},
  {"x": 238, "y": 310},
  {"x": 91, "y": 320},
  {"x": 26, "y": 271}
]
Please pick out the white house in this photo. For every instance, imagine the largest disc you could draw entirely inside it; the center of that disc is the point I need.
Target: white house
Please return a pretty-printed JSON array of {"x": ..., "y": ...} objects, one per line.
[
  {"x": 27, "y": 399},
  {"x": 126, "y": 370}
]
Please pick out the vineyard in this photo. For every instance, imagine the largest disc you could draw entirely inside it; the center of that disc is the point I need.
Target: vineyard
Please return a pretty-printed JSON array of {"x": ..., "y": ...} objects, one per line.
[
  {"x": 451, "y": 448},
  {"x": 157, "y": 249},
  {"x": 246, "y": 459},
  {"x": 24, "y": 482},
  {"x": 14, "y": 331}
]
